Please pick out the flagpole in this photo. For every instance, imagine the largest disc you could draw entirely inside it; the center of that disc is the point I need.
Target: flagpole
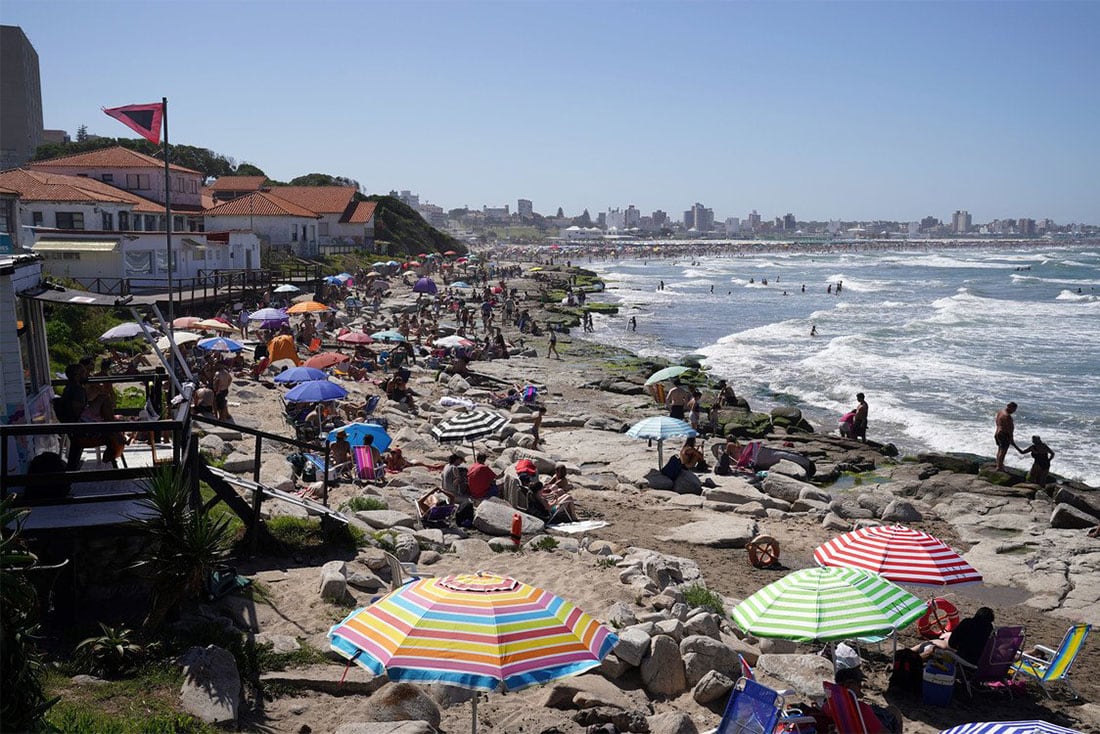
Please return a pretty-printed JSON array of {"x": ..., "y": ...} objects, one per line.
[{"x": 168, "y": 219}]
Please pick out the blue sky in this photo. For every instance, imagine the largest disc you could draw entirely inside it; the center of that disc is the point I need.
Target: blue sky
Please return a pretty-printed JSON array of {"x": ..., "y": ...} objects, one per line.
[{"x": 828, "y": 110}]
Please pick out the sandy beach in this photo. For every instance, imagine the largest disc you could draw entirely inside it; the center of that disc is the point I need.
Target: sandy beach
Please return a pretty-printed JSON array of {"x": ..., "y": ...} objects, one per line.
[{"x": 1035, "y": 575}]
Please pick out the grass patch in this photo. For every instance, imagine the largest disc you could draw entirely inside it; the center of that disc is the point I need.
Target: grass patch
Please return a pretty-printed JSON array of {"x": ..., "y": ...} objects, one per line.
[
  {"x": 144, "y": 704},
  {"x": 131, "y": 397},
  {"x": 267, "y": 659},
  {"x": 545, "y": 543},
  {"x": 700, "y": 596},
  {"x": 220, "y": 510},
  {"x": 356, "y": 504},
  {"x": 605, "y": 563},
  {"x": 299, "y": 534}
]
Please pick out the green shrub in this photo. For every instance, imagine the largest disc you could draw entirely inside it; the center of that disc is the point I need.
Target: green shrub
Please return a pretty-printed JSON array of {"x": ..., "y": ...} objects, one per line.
[
  {"x": 110, "y": 654},
  {"x": 357, "y": 504},
  {"x": 698, "y": 595},
  {"x": 298, "y": 534},
  {"x": 545, "y": 543}
]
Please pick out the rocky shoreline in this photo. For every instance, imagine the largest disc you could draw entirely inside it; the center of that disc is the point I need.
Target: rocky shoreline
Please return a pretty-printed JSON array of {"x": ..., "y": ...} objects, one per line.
[{"x": 666, "y": 547}]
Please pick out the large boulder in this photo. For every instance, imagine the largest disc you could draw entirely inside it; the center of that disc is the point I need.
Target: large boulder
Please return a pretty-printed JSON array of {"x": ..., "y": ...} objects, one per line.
[
  {"x": 687, "y": 482},
  {"x": 901, "y": 511},
  {"x": 406, "y": 548},
  {"x": 956, "y": 463},
  {"x": 671, "y": 722},
  {"x": 733, "y": 491},
  {"x": 382, "y": 519},
  {"x": 1070, "y": 518},
  {"x": 494, "y": 517},
  {"x": 783, "y": 487},
  {"x": 586, "y": 691},
  {"x": 701, "y": 654},
  {"x": 662, "y": 669},
  {"x": 385, "y": 727},
  {"x": 633, "y": 645},
  {"x": 717, "y": 531},
  {"x": 404, "y": 702},
  {"x": 334, "y": 581},
  {"x": 1089, "y": 504},
  {"x": 711, "y": 687},
  {"x": 211, "y": 685}
]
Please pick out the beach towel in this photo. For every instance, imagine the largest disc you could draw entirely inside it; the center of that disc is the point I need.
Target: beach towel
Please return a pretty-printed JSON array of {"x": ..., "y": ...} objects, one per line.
[
  {"x": 578, "y": 527},
  {"x": 364, "y": 463},
  {"x": 658, "y": 392},
  {"x": 747, "y": 459}
]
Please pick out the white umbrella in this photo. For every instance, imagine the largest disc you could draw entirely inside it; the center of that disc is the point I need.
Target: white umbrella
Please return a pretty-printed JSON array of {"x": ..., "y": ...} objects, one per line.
[
  {"x": 181, "y": 337},
  {"x": 288, "y": 288},
  {"x": 124, "y": 331}
]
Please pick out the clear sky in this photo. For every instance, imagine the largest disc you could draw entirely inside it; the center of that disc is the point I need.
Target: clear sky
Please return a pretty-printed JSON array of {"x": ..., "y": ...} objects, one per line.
[{"x": 827, "y": 110}]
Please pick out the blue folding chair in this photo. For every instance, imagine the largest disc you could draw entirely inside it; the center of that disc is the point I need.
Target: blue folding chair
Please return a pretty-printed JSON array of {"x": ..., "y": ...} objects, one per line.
[{"x": 752, "y": 709}]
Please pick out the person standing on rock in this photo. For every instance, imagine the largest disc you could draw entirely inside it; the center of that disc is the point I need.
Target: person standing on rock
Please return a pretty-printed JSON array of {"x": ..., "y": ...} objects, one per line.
[
  {"x": 677, "y": 399},
  {"x": 859, "y": 420},
  {"x": 1041, "y": 454},
  {"x": 1005, "y": 427}
]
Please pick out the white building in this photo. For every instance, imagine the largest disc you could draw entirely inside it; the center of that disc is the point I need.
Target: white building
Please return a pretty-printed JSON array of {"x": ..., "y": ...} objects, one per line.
[
  {"x": 276, "y": 221},
  {"x": 578, "y": 234},
  {"x": 733, "y": 225}
]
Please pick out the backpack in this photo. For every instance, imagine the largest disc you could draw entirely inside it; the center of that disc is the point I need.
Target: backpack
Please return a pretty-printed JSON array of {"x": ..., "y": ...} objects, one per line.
[{"x": 907, "y": 675}]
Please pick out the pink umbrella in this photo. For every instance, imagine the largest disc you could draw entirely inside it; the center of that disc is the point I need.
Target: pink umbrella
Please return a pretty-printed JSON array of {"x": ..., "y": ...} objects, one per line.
[
  {"x": 186, "y": 322},
  {"x": 355, "y": 337}
]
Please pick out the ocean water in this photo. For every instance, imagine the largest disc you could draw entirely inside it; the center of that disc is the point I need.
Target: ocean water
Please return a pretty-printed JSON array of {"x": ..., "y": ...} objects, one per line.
[{"x": 938, "y": 339}]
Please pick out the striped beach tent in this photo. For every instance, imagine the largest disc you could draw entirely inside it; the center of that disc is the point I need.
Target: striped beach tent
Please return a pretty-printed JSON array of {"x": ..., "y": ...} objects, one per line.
[
  {"x": 900, "y": 554},
  {"x": 823, "y": 604},
  {"x": 478, "y": 631}
]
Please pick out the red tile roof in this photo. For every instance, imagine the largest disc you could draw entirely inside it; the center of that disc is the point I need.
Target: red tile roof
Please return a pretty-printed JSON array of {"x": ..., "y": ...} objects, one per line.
[
  {"x": 260, "y": 204},
  {"x": 115, "y": 157},
  {"x": 321, "y": 199},
  {"x": 237, "y": 183},
  {"x": 362, "y": 213},
  {"x": 42, "y": 186}
]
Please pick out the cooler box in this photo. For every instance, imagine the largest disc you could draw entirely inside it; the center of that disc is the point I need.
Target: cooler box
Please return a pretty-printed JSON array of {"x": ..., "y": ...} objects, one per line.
[{"x": 939, "y": 682}]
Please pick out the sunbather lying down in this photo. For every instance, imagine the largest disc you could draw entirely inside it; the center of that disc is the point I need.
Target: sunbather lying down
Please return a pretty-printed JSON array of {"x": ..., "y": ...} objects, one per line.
[{"x": 755, "y": 456}]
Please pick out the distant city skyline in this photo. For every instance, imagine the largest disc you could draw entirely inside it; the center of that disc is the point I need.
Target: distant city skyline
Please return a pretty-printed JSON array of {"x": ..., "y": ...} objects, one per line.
[{"x": 891, "y": 111}]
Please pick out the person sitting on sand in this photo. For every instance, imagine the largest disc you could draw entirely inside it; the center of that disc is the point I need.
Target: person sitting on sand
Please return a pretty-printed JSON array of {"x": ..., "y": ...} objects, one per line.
[
  {"x": 691, "y": 457},
  {"x": 1041, "y": 454}
]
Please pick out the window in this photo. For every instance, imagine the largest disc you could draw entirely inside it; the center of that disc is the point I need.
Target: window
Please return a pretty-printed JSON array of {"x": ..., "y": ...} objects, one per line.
[
  {"x": 150, "y": 222},
  {"x": 137, "y": 181},
  {"x": 36, "y": 219},
  {"x": 69, "y": 220},
  {"x": 108, "y": 178},
  {"x": 294, "y": 233},
  {"x": 108, "y": 221},
  {"x": 124, "y": 221},
  {"x": 177, "y": 223}
]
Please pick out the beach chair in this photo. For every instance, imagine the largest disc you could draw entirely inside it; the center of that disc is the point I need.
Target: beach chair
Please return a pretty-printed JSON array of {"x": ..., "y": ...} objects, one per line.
[
  {"x": 365, "y": 465},
  {"x": 1055, "y": 666},
  {"x": 752, "y": 709},
  {"x": 849, "y": 714},
  {"x": 314, "y": 345},
  {"x": 335, "y": 471},
  {"x": 996, "y": 661}
]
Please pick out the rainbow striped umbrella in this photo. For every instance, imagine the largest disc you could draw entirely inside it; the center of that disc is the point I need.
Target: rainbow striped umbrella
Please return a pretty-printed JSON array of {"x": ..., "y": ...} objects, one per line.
[
  {"x": 478, "y": 631},
  {"x": 900, "y": 554},
  {"x": 1010, "y": 727}
]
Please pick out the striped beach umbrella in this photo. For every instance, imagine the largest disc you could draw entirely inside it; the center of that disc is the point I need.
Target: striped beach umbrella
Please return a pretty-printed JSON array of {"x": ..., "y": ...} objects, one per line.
[
  {"x": 823, "y": 604},
  {"x": 1010, "y": 727},
  {"x": 469, "y": 425},
  {"x": 658, "y": 428},
  {"x": 478, "y": 631},
  {"x": 219, "y": 344},
  {"x": 900, "y": 554}
]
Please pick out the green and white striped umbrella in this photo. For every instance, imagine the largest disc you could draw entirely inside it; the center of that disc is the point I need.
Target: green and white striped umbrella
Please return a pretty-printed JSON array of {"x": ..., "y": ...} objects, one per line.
[{"x": 822, "y": 604}]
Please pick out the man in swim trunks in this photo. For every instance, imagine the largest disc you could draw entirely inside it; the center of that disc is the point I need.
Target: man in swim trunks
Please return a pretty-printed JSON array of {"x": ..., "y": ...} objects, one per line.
[{"x": 1005, "y": 427}]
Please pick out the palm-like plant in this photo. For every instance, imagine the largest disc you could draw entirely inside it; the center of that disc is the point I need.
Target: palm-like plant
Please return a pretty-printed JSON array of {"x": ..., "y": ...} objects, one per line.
[
  {"x": 111, "y": 653},
  {"x": 23, "y": 705},
  {"x": 187, "y": 544}
]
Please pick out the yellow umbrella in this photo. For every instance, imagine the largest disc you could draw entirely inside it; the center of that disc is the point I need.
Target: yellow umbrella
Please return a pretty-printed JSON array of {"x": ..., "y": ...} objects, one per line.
[{"x": 307, "y": 306}]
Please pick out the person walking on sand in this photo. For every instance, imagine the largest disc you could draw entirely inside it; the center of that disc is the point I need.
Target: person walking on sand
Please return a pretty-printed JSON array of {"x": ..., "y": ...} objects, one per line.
[
  {"x": 1041, "y": 454},
  {"x": 552, "y": 343},
  {"x": 1005, "y": 427},
  {"x": 859, "y": 420}
]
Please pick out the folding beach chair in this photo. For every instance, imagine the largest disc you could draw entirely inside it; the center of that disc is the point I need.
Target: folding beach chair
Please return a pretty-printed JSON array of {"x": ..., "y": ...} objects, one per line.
[
  {"x": 849, "y": 714},
  {"x": 335, "y": 471},
  {"x": 365, "y": 465},
  {"x": 751, "y": 709},
  {"x": 1056, "y": 664},
  {"x": 996, "y": 661}
]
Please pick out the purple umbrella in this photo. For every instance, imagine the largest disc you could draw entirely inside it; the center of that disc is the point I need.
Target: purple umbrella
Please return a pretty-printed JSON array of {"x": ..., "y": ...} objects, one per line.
[{"x": 425, "y": 285}]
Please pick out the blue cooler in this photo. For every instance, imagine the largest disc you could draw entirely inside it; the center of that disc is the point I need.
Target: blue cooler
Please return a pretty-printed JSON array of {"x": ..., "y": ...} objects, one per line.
[{"x": 939, "y": 682}]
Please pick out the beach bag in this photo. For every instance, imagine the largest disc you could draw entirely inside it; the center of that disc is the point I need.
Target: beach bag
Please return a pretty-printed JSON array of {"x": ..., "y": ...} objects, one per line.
[{"x": 907, "y": 675}]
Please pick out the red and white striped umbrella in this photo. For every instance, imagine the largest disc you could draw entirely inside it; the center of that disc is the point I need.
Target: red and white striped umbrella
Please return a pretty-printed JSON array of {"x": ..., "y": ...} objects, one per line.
[{"x": 900, "y": 554}]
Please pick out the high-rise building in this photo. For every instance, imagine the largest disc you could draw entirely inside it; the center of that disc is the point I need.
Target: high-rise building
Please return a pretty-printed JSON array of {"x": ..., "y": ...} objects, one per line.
[
  {"x": 733, "y": 225},
  {"x": 660, "y": 219},
  {"x": 616, "y": 219},
  {"x": 929, "y": 223},
  {"x": 1025, "y": 226},
  {"x": 789, "y": 223},
  {"x": 21, "y": 92},
  {"x": 755, "y": 220},
  {"x": 632, "y": 217},
  {"x": 699, "y": 218},
  {"x": 409, "y": 198},
  {"x": 525, "y": 208},
  {"x": 960, "y": 222}
]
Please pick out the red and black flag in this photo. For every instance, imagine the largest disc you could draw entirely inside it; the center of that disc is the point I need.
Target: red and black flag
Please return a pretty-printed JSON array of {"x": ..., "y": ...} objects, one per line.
[{"x": 144, "y": 119}]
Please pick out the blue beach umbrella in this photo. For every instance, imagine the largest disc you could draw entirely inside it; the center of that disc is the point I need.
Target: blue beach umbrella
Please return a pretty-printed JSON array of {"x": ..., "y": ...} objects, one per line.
[
  {"x": 300, "y": 374},
  {"x": 219, "y": 344},
  {"x": 388, "y": 336},
  {"x": 460, "y": 284},
  {"x": 359, "y": 430},
  {"x": 658, "y": 428},
  {"x": 315, "y": 391},
  {"x": 1010, "y": 727}
]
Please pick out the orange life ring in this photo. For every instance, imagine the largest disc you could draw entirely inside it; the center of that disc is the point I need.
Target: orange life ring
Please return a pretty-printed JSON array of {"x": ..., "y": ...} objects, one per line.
[
  {"x": 942, "y": 616},
  {"x": 763, "y": 551}
]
